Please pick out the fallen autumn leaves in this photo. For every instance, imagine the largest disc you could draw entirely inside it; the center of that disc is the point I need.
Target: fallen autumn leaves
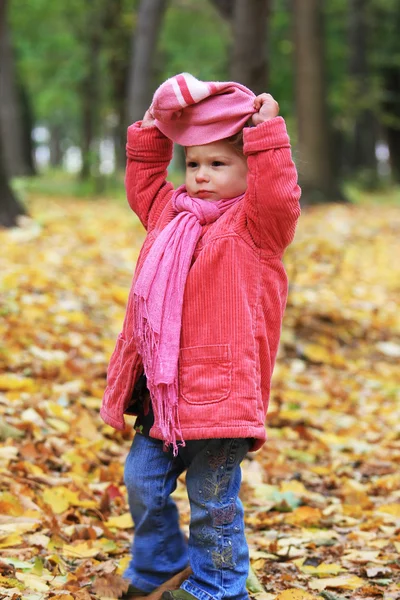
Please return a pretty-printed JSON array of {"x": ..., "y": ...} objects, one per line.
[{"x": 322, "y": 497}]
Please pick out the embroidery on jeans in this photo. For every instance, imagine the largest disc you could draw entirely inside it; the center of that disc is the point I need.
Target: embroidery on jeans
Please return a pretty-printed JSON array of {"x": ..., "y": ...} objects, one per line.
[
  {"x": 224, "y": 559},
  {"x": 216, "y": 487},
  {"x": 218, "y": 459},
  {"x": 223, "y": 516},
  {"x": 207, "y": 537}
]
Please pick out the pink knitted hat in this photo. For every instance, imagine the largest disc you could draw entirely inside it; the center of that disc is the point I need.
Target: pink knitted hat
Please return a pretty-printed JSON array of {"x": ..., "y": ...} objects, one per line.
[{"x": 192, "y": 112}]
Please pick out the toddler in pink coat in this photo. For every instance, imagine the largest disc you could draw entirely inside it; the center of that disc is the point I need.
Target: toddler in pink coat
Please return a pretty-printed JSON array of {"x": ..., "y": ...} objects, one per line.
[{"x": 195, "y": 356}]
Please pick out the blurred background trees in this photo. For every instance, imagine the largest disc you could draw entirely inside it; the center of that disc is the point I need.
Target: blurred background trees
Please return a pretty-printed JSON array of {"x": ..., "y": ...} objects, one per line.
[{"x": 75, "y": 74}]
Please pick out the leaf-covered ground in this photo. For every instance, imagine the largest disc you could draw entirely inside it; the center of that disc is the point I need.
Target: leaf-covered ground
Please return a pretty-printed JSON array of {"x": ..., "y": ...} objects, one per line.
[{"x": 322, "y": 497}]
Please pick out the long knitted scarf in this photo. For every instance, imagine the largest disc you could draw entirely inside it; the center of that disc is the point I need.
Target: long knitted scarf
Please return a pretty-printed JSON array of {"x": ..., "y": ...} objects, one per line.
[{"x": 158, "y": 297}]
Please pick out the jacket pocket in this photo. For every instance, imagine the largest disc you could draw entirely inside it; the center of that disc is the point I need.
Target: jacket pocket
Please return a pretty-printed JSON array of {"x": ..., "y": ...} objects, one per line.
[{"x": 205, "y": 373}]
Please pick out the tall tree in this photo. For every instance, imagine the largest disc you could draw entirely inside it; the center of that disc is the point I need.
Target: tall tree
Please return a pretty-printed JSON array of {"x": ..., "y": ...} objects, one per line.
[
  {"x": 10, "y": 207},
  {"x": 224, "y": 7},
  {"x": 316, "y": 171},
  {"x": 249, "y": 51},
  {"x": 15, "y": 139},
  {"x": 118, "y": 40},
  {"x": 392, "y": 119},
  {"x": 388, "y": 24},
  {"x": 362, "y": 159},
  {"x": 89, "y": 89},
  {"x": 144, "y": 42}
]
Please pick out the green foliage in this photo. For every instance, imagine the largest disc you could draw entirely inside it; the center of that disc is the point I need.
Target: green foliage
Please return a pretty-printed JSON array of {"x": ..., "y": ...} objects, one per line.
[
  {"x": 50, "y": 60},
  {"x": 194, "y": 39},
  {"x": 385, "y": 195},
  {"x": 51, "y": 43},
  {"x": 65, "y": 185},
  {"x": 280, "y": 51}
]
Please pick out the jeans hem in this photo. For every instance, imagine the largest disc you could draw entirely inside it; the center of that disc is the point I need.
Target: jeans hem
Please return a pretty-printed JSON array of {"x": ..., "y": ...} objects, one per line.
[
  {"x": 140, "y": 583},
  {"x": 196, "y": 591}
]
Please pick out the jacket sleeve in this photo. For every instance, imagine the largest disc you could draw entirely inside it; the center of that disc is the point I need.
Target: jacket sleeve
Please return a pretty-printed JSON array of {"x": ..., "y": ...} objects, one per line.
[
  {"x": 271, "y": 202},
  {"x": 148, "y": 154}
]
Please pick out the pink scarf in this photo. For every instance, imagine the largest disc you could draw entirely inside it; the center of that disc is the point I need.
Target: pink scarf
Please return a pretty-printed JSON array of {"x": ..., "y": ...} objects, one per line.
[{"x": 158, "y": 295}]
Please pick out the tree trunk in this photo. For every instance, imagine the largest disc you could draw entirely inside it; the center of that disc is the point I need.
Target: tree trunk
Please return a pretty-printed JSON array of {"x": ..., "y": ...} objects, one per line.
[
  {"x": 10, "y": 207},
  {"x": 362, "y": 158},
  {"x": 119, "y": 39},
  {"x": 90, "y": 87},
  {"x": 392, "y": 118},
  {"x": 316, "y": 167},
  {"x": 56, "y": 154},
  {"x": 11, "y": 123},
  {"x": 249, "y": 52},
  {"x": 389, "y": 24},
  {"x": 28, "y": 123},
  {"x": 144, "y": 42},
  {"x": 225, "y": 8}
]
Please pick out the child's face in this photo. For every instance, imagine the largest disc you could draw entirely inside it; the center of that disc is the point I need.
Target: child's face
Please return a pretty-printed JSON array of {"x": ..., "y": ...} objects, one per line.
[{"x": 215, "y": 171}]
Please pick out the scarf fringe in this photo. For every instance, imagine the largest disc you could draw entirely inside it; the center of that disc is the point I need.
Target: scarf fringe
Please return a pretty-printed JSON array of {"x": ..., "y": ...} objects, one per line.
[{"x": 164, "y": 396}]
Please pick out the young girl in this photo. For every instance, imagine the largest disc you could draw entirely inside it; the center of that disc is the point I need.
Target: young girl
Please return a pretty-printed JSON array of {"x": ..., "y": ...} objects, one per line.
[{"x": 196, "y": 353}]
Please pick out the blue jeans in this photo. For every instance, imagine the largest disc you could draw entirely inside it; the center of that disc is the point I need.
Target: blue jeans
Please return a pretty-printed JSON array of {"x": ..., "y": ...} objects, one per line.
[{"x": 217, "y": 550}]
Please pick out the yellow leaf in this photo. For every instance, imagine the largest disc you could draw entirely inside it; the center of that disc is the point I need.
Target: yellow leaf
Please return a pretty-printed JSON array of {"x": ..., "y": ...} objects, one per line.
[
  {"x": 85, "y": 503},
  {"x": 61, "y": 498},
  {"x": 33, "y": 582},
  {"x": 122, "y": 522},
  {"x": 21, "y": 526},
  {"x": 353, "y": 510},
  {"x": 120, "y": 295},
  {"x": 85, "y": 427},
  {"x": 345, "y": 582},
  {"x": 390, "y": 509},
  {"x": 10, "y": 582},
  {"x": 389, "y": 482},
  {"x": 320, "y": 354},
  {"x": 14, "y": 382},
  {"x": 362, "y": 556},
  {"x": 57, "y": 411},
  {"x": 10, "y": 541},
  {"x": 57, "y": 498},
  {"x": 320, "y": 470},
  {"x": 294, "y": 486},
  {"x": 8, "y": 453},
  {"x": 82, "y": 550},
  {"x": 258, "y": 563},
  {"x": 321, "y": 570},
  {"x": 10, "y": 505},
  {"x": 123, "y": 564},
  {"x": 295, "y": 594},
  {"x": 58, "y": 424},
  {"x": 304, "y": 516}
]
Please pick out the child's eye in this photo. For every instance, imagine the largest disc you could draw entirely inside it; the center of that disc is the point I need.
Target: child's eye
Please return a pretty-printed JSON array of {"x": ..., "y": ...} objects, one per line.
[
  {"x": 217, "y": 163},
  {"x": 191, "y": 164}
]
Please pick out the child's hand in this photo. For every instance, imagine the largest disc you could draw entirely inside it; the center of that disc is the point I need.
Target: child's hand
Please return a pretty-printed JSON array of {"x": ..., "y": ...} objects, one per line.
[
  {"x": 267, "y": 108},
  {"x": 148, "y": 119}
]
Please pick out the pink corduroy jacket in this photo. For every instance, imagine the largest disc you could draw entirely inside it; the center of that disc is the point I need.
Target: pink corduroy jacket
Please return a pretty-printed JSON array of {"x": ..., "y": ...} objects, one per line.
[{"x": 235, "y": 293}]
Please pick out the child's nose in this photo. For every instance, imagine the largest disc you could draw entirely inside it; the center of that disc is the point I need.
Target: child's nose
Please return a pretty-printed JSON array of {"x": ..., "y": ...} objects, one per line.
[{"x": 202, "y": 175}]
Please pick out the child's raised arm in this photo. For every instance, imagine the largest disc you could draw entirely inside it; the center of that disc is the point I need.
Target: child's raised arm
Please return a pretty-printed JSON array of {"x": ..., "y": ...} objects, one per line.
[
  {"x": 148, "y": 154},
  {"x": 272, "y": 198}
]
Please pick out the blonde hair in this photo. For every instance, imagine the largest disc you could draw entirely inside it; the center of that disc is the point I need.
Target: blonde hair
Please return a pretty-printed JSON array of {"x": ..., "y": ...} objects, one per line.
[{"x": 236, "y": 141}]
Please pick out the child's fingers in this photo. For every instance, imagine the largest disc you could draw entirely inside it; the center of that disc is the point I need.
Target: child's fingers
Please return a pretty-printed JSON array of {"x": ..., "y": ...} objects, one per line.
[{"x": 262, "y": 99}]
